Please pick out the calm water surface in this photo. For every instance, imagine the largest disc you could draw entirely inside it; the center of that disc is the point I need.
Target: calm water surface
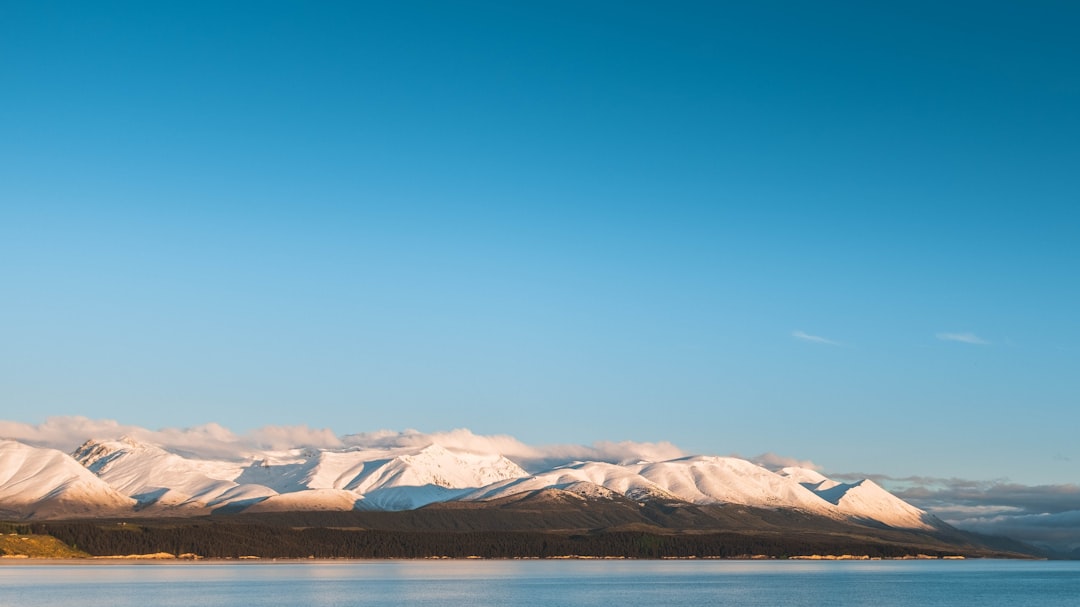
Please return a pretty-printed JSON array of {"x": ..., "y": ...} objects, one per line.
[{"x": 533, "y": 583}]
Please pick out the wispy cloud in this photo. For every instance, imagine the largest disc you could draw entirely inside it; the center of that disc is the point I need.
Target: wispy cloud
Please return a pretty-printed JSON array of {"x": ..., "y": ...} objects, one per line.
[
  {"x": 966, "y": 338},
  {"x": 817, "y": 339}
]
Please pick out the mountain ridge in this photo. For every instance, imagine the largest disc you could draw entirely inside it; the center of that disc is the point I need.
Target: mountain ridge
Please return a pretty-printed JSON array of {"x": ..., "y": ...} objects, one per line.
[
  {"x": 433, "y": 493},
  {"x": 153, "y": 481}
]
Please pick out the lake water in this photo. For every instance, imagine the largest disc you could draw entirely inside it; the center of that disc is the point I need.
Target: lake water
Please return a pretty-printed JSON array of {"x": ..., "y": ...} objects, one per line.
[{"x": 534, "y": 583}]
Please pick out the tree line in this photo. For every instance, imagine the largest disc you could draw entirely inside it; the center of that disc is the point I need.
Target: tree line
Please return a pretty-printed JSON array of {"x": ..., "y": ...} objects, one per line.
[{"x": 230, "y": 540}]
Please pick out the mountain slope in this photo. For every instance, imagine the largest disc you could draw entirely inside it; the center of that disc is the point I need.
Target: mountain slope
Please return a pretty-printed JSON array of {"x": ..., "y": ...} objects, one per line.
[
  {"x": 707, "y": 480},
  {"x": 729, "y": 480},
  {"x": 46, "y": 483},
  {"x": 164, "y": 481}
]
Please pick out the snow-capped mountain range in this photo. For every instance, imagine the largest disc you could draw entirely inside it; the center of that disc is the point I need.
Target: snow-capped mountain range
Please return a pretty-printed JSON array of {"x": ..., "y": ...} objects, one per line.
[{"x": 126, "y": 477}]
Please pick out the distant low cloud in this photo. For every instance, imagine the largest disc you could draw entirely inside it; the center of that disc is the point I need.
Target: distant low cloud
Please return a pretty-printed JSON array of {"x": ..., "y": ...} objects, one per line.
[
  {"x": 1045, "y": 515},
  {"x": 817, "y": 339},
  {"x": 966, "y": 338}
]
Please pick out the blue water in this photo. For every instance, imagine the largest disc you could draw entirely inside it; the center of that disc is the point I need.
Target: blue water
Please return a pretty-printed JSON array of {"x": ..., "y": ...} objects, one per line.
[{"x": 534, "y": 583}]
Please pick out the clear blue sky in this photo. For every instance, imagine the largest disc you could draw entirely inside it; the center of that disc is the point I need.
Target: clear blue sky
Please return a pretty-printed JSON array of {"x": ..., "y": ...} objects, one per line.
[{"x": 564, "y": 221}]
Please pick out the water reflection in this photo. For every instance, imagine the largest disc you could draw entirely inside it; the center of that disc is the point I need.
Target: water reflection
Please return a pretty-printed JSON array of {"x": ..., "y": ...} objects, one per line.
[{"x": 533, "y": 583}]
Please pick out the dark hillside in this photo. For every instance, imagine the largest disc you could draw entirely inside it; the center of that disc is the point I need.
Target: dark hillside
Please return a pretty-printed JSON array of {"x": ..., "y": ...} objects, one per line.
[{"x": 542, "y": 524}]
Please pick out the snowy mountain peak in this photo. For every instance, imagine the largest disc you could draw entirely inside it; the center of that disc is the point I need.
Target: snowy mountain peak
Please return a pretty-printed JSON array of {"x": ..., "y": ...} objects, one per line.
[{"x": 96, "y": 454}]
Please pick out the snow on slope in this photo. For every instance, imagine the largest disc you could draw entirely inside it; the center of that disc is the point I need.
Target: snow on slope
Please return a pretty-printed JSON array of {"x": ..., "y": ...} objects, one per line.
[
  {"x": 724, "y": 480},
  {"x": 389, "y": 479},
  {"x": 698, "y": 479},
  {"x": 369, "y": 470},
  {"x": 711, "y": 480},
  {"x": 868, "y": 499},
  {"x": 166, "y": 481},
  {"x": 44, "y": 483},
  {"x": 382, "y": 479},
  {"x": 307, "y": 500},
  {"x": 622, "y": 480},
  {"x": 438, "y": 466}
]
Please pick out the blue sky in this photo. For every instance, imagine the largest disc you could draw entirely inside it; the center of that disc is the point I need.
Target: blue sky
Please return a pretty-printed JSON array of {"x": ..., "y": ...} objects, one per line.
[{"x": 567, "y": 222}]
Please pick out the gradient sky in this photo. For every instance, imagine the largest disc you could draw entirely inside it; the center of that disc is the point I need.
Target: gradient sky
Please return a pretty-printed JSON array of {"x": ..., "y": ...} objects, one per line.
[{"x": 846, "y": 232}]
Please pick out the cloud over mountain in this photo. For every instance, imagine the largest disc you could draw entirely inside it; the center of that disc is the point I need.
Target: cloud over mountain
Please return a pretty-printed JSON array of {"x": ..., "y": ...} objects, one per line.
[
  {"x": 216, "y": 441},
  {"x": 772, "y": 461},
  {"x": 207, "y": 440}
]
